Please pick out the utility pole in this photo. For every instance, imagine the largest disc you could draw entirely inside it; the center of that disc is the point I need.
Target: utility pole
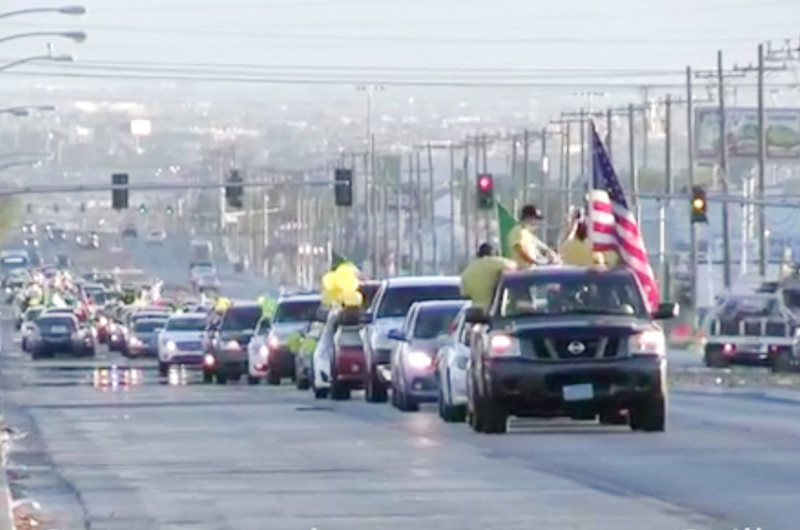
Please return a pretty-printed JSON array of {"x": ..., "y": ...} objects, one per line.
[
  {"x": 452, "y": 153},
  {"x": 609, "y": 134},
  {"x": 412, "y": 232},
  {"x": 465, "y": 202},
  {"x": 723, "y": 164},
  {"x": 719, "y": 75},
  {"x": 666, "y": 203},
  {"x": 761, "y": 69},
  {"x": 690, "y": 174},
  {"x": 418, "y": 230},
  {"x": 434, "y": 239},
  {"x": 526, "y": 162}
]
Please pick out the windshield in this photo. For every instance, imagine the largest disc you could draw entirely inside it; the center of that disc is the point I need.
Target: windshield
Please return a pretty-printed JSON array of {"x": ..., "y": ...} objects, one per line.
[
  {"x": 14, "y": 262},
  {"x": 602, "y": 294},
  {"x": 53, "y": 324},
  {"x": 148, "y": 326},
  {"x": 434, "y": 321},
  {"x": 296, "y": 311},
  {"x": 32, "y": 314},
  {"x": 241, "y": 318},
  {"x": 186, "y": 324},
  {"x": 751, "y": 306},
  {"x": 398, "y": 300},
  {"x": 368, "y": 291}
]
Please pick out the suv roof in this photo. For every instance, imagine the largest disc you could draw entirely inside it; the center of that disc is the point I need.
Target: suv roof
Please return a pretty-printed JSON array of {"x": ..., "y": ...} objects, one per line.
[
  {"x": 414, "y": 281},
  {"x": 568, "y": 271},
  {"x": 300, "y": 298}
]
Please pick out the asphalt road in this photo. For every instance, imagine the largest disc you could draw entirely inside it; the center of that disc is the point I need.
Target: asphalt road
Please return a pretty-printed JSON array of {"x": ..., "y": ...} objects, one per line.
[{"x": 182, "y": 455}]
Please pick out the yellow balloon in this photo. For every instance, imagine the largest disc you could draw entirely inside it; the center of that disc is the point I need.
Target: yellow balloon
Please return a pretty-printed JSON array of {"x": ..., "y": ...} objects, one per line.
[
  {"x": 330, "y": 296},
  {"x": 353, "y": 299},
  {"x": 347, "y": 283},
  {"x": 328, "y": 281},
  {"x": 349, "y": 269}
]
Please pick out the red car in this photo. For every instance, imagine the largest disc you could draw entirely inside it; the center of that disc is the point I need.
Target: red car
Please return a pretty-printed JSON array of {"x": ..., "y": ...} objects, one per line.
[{"x": 348, "y": 362}]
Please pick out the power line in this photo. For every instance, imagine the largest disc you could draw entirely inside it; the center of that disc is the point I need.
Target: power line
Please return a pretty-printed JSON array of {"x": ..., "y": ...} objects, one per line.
[{"x": 286, "y": 80}]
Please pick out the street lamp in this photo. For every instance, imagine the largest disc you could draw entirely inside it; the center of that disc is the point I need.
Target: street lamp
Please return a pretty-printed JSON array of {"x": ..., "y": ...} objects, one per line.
[
  {"x": 75, "y": 36},
  {"x": 37, "y": 58},
  {"x": 65, "y": 10}
]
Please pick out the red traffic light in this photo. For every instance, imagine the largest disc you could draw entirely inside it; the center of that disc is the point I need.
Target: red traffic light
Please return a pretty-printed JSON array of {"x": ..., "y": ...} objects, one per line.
[{"x": 485, "y": 182}]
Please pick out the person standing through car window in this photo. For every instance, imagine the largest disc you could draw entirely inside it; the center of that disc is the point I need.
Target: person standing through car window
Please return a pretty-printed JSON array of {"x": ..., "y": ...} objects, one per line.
[
  {"x": 479, "y": 279},
  {"x": 527, "y": 250}
]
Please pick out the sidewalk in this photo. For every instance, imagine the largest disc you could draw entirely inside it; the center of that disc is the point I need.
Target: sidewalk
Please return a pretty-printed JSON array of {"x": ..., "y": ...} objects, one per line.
[
  {"x": 6, "y": 514},
  {"x": 775, "y": 395}
]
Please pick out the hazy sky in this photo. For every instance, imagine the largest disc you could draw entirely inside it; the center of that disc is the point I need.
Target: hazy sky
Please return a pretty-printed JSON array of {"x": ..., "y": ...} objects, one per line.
[{"x": 532, "y": 34}]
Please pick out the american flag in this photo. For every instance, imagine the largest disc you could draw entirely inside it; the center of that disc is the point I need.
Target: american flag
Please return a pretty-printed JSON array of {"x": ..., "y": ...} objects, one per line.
[{"x": 614, "y": 226}]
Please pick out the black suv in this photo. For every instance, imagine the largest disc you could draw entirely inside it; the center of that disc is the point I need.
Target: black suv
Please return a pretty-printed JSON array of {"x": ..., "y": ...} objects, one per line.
[
  {"x": 225, "y": 342},
  {"x": 563, "y": 341}
]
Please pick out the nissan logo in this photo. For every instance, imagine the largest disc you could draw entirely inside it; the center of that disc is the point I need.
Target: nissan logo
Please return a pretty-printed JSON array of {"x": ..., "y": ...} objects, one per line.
[{"x": 576, "y": 348}]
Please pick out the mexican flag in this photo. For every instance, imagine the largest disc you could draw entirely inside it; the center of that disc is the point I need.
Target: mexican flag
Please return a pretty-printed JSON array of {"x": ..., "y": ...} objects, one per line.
[{"x": 506, "y": 222}]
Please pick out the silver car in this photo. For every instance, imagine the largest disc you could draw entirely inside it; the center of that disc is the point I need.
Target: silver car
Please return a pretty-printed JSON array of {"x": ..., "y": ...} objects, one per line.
[
  {"x": 451, "y": 370},
  {"x": 413, "y": 366},
  {"x": 143, "y": 339}
]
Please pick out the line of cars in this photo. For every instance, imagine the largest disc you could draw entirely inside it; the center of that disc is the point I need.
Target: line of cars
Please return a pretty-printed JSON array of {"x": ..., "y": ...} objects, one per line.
[{"x": 555, "y": 342}]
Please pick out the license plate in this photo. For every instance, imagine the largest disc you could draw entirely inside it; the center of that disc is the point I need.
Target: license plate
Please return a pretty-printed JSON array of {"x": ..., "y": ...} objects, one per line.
[
  {"x": 578, "y": 392},
  {"x": 59, "y": 329}
]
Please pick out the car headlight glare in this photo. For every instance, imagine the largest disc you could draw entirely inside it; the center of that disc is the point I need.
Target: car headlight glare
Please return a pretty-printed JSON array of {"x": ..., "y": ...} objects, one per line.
[
  {"x": 651, "y": 342},
  {"x": 171, "y": 346},
  {"x": 419, "y": 360}
]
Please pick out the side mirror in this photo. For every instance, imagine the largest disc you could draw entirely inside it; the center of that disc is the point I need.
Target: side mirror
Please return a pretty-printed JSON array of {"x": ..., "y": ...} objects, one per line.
[
  {"x": 365, "y": 318},
  {"x": 396, "y": 334},
  {"x": 476, "y": 315},
  {"x": 667, "y": 310},
  {"x": 322, "y": 315}
]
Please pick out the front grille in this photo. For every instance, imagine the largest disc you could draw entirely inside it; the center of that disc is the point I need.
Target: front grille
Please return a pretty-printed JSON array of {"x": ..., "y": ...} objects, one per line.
[
  {"x": 752, "y": 328},
  {"x": 728, "y": 327},
  {"x": 189, "y": 345},
  {"x": 576, "y": 348},
  {"x": 776, "y": 329}
]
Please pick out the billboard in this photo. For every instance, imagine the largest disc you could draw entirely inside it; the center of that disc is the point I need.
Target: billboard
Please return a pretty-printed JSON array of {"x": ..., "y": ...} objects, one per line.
[{"x": 783, "y": 133}]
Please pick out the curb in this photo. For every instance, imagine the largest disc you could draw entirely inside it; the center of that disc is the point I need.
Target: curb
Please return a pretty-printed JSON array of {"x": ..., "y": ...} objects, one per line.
[
  {"x": 791, "y": 397},
  {"x": 6, "y": 502}
]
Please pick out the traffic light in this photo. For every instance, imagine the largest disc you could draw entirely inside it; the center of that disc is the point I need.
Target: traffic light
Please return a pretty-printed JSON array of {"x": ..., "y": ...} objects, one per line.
[
  {"x": 142, "y": 209},
  {"x": 485, "y": 192},
  {"x": 699, "y": 205},
  {"x": 169, "y": 210},
  {"x": 343, "y": 187},
  {"x": 119, "y": 197},
  {"x": 234, "y": 195}
]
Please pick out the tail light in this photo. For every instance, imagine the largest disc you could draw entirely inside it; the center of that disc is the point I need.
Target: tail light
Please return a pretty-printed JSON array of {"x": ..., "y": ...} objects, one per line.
[
  {"x": 209, "y": 360},
  {"x": 502, "y": 345}
]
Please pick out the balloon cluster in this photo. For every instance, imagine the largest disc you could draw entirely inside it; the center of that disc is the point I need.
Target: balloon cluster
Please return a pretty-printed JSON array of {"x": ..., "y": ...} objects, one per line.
[{"x": 340, "y": 287}]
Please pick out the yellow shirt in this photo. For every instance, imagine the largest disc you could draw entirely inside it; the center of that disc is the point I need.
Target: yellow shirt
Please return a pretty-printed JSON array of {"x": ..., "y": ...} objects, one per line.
[
  {"x": 576, "y": 252},
  {"x": 522, "y": 236},
  {"x": 479, "y": 279}
]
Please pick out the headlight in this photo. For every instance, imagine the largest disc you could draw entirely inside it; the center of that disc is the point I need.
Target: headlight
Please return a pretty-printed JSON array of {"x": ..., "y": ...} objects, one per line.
[
  {"x": 650, "y": 342},
  {"x": 232, "y": 345},
  {"x": 273, "y": 342},
  {"x": 102, "y": 321},
  {"x": 263, "y": 351},
  {"x": 135, "y": 342},
  {"x": 171, "y": 346},
  {"x": 419, "y": 360},
  {"x": 502, "y": 345}
]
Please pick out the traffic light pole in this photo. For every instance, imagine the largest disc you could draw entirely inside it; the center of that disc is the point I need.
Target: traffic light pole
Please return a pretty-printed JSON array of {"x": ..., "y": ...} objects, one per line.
[{"x": 690, "y": 174}]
